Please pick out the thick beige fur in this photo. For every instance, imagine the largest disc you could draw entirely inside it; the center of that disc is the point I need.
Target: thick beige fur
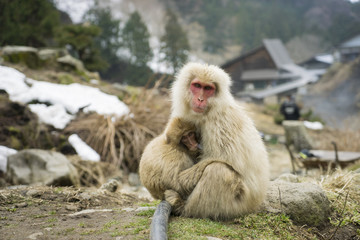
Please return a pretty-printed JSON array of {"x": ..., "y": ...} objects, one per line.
[
  {"x": 236, "y": 182},
  {"x": 164, "y": 158}
]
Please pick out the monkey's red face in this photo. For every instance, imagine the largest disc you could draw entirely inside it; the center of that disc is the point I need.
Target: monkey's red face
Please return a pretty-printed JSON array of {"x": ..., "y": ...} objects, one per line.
[{"x": 201, "y": 92}]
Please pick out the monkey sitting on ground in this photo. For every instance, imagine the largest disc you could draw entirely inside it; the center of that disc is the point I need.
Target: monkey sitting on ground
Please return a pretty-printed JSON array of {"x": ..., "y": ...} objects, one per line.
[
  {"x": 235, "y": 180},
  {"x": 176, "y": 150}
]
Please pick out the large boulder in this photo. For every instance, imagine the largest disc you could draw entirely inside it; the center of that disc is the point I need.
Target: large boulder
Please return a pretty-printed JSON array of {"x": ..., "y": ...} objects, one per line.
[
  {"x": 70, "y": 63},
  {"x": 305, "y": 203},
  {"x": 21, "y": 54},
  {"x": 40, "y": 166}
]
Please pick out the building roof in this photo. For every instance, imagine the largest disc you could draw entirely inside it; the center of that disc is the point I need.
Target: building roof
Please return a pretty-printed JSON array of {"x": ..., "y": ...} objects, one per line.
[
  {"x": 265, "y": 74},
  {"x": 305, "y": 78},
  {"x": 353, "y": 42},
  {"x": 275, "y": 48},
  {"x": 277, "y": 52}
]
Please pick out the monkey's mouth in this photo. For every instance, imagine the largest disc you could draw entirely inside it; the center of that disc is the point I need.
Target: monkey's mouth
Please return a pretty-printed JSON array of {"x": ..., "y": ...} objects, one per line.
[
  {"x": 198, "y": 109},
  {"x": 193, "y": 147}
]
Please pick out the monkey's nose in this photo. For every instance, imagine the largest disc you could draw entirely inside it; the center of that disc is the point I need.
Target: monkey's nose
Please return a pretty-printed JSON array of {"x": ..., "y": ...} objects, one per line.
[{"x": 200, "y": 99}]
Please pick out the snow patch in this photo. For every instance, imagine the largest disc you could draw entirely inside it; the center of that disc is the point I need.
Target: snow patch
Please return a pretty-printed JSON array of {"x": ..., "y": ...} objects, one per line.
[{"x": 83, "y": 150}]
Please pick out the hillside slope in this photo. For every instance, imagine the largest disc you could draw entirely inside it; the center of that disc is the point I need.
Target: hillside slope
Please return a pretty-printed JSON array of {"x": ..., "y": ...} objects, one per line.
[{"x": 336, "y": 97}]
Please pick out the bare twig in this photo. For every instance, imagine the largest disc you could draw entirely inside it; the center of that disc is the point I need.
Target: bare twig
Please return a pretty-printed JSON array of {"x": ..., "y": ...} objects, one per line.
[
  {"x": 342, "y": 219},
  {"x": 280, "y": 200}
]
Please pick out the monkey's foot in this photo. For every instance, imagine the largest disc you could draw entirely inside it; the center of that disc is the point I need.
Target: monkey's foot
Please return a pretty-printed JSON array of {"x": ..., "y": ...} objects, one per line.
[{"x": 176, "y": 202}]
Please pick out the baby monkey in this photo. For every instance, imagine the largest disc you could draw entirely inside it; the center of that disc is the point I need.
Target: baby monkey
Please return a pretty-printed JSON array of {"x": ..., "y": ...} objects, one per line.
[
  {"x": 182, "y": 134},
  {"x": 177, "y": 149}
]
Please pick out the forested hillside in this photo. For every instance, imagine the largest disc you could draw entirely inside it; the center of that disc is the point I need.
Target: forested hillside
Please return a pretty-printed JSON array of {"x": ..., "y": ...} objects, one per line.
[
  {"x": 130, "y": 41},
  {"x": 246, "y": 22}
]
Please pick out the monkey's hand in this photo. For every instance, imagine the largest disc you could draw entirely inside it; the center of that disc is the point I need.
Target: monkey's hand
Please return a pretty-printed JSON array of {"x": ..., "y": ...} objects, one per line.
[
  {"x": 176, "y": 202},
  {"x": 191, "y": 176}
]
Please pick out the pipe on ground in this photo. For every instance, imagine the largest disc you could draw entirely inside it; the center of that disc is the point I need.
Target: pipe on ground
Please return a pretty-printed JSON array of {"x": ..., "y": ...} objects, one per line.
[{"x": 159, "y": 223}]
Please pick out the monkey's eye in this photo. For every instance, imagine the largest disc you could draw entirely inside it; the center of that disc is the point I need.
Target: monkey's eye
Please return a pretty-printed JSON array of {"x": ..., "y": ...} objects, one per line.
[
  {"x": 208, "y": 88},
  {"x": 197, "y": 85},
  {"x": 191, "y": 134}
]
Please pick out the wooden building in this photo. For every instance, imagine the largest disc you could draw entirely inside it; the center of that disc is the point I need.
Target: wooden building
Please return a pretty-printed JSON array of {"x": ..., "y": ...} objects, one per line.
[
  {"x": 350, "y": 50},
  {"x": 266, "y": 71}
]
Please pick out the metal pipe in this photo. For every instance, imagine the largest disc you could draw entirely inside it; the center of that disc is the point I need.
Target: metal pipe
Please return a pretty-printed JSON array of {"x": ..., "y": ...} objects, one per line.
[{"x": 159, "y": 223}]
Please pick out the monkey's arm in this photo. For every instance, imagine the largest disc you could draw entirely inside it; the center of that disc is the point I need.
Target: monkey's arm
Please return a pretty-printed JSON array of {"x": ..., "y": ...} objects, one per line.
[{"x": 191, "y": 176}]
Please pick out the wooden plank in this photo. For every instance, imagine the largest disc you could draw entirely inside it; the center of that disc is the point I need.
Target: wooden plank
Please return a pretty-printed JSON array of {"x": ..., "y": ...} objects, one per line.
[{"x": 325, "y": 155}]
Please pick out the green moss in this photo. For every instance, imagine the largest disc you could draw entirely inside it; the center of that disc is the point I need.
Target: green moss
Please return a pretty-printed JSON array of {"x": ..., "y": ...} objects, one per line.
[
  {"x": 30, "y": 59},
  {"x": 13, "y": 130},
  {"x": 65, "y": 79},
  {"x": 83, "y": 75},
  {"x": 147, "y": 213},
  {"x": 15, "y": 143}
]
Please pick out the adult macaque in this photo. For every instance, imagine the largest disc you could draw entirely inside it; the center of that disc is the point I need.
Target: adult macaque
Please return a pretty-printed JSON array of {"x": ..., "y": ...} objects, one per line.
[
  {"x": 166, "y": 156},
  {"x": 232, "y": 176}
]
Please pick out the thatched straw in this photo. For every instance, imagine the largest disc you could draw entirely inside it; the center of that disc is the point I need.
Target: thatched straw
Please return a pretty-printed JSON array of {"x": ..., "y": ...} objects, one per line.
[{"x": 121, "y": 141}]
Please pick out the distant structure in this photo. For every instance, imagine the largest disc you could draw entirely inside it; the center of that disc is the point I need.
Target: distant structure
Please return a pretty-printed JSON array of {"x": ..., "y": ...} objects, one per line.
[
  {"x": 350, "y": 49},
  {"x": 318, "y": 64},
  {"x": 267, "y": 73}
]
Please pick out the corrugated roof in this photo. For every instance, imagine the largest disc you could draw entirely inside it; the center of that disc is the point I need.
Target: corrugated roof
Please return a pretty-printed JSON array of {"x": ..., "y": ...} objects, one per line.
[
  {"x": 305, "y": 78},
  {"x": 265, "y": 74},
  {"x": 353, "y": 42},
  {"x": 277, "y": 51}
]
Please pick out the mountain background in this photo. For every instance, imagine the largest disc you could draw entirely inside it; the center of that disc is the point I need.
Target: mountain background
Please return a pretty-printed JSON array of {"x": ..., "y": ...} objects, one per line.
[{"x": 219, "y": 30}]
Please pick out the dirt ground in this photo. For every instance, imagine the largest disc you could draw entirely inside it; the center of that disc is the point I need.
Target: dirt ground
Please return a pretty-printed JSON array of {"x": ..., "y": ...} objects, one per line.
[{"x": 69, "y": 213}]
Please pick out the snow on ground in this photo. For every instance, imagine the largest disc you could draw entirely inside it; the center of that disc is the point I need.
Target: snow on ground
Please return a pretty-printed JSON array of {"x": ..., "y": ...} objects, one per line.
[
  {"x": 65, "y": 100},
  {"x": 314, "y": 125},
  {"x": 4, "y": 153},
  {"x": 53, "y": 115},
  {"x": 83, "y": 150}
]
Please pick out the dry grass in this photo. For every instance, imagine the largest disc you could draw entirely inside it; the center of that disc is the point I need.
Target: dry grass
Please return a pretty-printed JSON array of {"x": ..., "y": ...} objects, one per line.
[
  {"x": 121, "y": 141},
  {"x": 346, "y": 140}
]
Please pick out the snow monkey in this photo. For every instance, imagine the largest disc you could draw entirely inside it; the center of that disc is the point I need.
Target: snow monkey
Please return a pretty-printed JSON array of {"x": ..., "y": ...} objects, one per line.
[
  {"x": 235, "y": 173},
  {"x": 166, "y": 156}
]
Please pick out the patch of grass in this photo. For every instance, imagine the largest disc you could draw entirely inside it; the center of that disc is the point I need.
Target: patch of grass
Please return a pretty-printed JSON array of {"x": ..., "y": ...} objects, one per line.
[
  {"x": 254, "y": 226},
  {"x": 12, "y": 209},
  {"x": 151, "y": 204},
  {"x": 108, "y": 225},
  {"x": 138, "y": 226},
  {"x": 343, "y": 192},
  {"x": 82, "y": 225},
  {"x": 69, "y": 231},
  {"x": 52, "y": 220},
  {"x": 146, "y": 213}
]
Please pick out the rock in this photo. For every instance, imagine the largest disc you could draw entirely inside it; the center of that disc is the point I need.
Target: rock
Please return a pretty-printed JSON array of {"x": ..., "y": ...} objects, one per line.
[
  {"x": 134, "y": 179},
  {"x": 21, "y": 54},
  {"x": 140, "y": 209},
  {"x": 21, "y": 205},
  {"x": 71, "y": 207},
  {"x": 35, "y": 235},
  {"x": 51, "y": 54},
  {"x": 40, "y": 166},
  {"x": 89, "y": 211},
  {"x": 111, "y": 186},
  {"x": 288, "y": 177},
  {"x": 70, "y": 63},
  {"x": 304, "y": 203}
]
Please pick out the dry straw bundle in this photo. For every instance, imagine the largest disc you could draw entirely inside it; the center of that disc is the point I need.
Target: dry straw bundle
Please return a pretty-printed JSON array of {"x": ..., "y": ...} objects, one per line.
[{"x": 121, "y": 141}]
